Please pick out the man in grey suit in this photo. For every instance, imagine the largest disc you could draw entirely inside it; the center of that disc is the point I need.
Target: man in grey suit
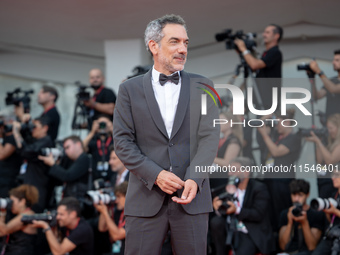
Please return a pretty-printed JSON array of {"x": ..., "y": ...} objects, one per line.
[{"x": 161, "y": 136}]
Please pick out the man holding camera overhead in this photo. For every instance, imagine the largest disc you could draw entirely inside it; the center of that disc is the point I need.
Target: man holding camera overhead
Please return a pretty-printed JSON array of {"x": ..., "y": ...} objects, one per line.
[
  {"x": 268, "y": 66},
  {"x": 76, "y": 232},
  {"x": 331, "y": 88}
]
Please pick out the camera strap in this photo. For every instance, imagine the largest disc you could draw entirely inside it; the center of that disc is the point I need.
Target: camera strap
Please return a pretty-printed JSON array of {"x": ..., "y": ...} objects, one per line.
[{"x": 97, "y": 93}]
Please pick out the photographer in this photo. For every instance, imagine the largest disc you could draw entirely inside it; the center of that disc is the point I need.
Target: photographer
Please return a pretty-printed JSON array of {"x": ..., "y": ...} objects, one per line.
[
  {"x": 97, "y": 144},
  {"x": 269, "y": 66},
  {"x": 75, "y": 176},
  {"x": 47, "y": 98},
  {"x": 329, "y": 154},
  {"x": 331, "y": 87},
  {"x": 114, "y": 223},
  {"x": 326, "y": 246},
  {"x": 250, "y": 206},
  {"x": 300, "y": 226},
  {"x": 10, "y": 160},
  {"x": 36, "y": 172},
  {"x": 103, "y": 100},
  {"x": 21, "y": 238},
  {"x": 76, "y": 233},
  {"x": 284, "y": 149}
]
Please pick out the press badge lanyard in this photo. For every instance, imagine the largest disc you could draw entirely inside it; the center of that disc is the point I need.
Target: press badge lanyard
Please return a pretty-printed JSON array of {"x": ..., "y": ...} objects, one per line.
[{"x": 99, "y": 146}]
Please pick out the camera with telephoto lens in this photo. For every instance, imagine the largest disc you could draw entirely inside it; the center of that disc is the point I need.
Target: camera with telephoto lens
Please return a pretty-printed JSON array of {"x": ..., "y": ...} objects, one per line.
[
  {"x": 229, "y": 37},
  {"x": 320, "y": 204},
  {"x": 231, "y": 187},
  {"x": 297, "y": 211},
  {"x": 56, "y": 152},
  {"x": 50, "y": 218},
  {"x": 96, "y": 196},
  {"x": 19, "y": 96},
  {"x": 304, "y": 67},
  {"x": 82, "y": 94},
  {"x": 5, "y": 203},
  {"x": 320, "y": 132}
]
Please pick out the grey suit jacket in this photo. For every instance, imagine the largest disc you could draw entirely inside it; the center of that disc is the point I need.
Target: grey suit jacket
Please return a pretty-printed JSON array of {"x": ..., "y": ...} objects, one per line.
[{"x": 142, "y": 143}]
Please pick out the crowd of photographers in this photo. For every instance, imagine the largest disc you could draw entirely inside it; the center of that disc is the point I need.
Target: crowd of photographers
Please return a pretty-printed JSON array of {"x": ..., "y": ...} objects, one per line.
[{"x": 250, "y": 216}]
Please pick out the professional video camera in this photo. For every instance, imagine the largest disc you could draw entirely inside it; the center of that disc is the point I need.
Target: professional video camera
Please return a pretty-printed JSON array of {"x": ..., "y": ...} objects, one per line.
[
  {"x": 18, "y": 96},
  {"x": 229, "y": 37},
  {"x": 320, "y": 204},
  {"x": 231, "y": 188},
  {"x": 50, "y": 218},
  {"x": 305, "y": 132},
  {"x": 82, "y": 94},
  {"x": 297, "y": 211},
  {"x": 5, "y": 203}
]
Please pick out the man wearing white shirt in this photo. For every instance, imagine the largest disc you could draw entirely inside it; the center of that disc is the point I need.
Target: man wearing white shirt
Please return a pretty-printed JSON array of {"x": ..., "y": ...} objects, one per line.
[
  {"x": 249, "y": 212},
  {"x": 160, "y": 136}
]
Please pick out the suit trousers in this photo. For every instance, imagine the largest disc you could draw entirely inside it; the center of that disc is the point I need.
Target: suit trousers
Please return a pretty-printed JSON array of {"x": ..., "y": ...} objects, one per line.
[{"x": 145, "y": 235}]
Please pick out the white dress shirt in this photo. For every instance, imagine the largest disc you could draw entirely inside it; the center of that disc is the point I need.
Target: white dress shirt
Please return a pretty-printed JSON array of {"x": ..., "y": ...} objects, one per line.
[{"x": 167, "y": 98}]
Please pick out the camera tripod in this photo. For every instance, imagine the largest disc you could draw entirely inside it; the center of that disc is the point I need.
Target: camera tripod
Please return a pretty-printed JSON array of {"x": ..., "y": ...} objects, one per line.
[{"x": 80, "y": 115}]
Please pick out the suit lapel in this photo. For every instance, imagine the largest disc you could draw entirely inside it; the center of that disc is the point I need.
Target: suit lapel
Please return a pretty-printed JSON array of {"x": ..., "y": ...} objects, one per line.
[
  {"x": 249, "y": 191},
  {"x": 183, "y": 102},
  {"x": 152, "y": 103}
]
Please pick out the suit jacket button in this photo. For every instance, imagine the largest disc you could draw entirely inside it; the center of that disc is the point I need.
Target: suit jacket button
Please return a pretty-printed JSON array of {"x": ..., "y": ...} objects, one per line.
[{"x": 171, "y": 144}]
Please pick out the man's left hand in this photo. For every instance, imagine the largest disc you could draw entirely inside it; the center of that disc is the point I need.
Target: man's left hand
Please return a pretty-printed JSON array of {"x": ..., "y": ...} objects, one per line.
[{"x": 189, "y": 193}]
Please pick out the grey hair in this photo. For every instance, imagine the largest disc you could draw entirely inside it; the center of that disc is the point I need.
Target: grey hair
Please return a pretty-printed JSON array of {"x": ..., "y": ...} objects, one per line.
[{"x": 154, "y": 30}]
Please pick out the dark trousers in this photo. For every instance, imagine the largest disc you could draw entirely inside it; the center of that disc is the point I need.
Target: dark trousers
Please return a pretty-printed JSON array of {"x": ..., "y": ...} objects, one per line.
[
  {"x": 145, "y": 235},
  {"x": 242, "y": 243}
]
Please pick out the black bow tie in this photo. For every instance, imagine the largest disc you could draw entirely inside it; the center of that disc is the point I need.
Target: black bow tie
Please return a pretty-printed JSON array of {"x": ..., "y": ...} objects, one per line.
[{"x": 173, "y": 78}]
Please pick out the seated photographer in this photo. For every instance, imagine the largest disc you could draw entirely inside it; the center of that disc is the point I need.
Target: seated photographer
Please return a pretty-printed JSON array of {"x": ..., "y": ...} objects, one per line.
[
  {"x": 21, "y": 238},
  {"x": 75, "y": 176},
  {"x": 76, "y": 234},
  {"x": 331, "y": 89},
  {"x": 248, "y": 211},
  {"x": 229, "y": 147},
  {"x": 330, "y": 242},
  {"x": 327, "y": 154},
  {"x": 114, "y": 223},
  {"x": 97, "y": 144},
  {"x": 300, "y": 226},
  {"x": 284, "y": 149},
  {"x": 36, "y": 171},
  {"x": 10, "y": 160},
  {"x": 103, "y": 100}
]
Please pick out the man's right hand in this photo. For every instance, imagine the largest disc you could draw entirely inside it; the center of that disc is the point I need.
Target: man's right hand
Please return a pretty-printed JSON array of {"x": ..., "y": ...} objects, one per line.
[
  {"x": 169, "y": 182},
  {"x": 315, "y": 67}
]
